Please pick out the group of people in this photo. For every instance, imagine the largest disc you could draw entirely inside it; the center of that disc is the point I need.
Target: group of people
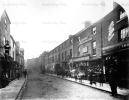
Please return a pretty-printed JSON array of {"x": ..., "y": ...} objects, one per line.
[
  {"x": 93, "y": 74},
  {"x": 113, "y": 78},
  {"x": 24, "y": 73}
]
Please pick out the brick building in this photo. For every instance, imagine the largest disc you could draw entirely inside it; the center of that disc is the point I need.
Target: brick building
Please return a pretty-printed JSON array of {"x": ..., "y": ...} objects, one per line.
[
  {"x": 115, "y": 35},
  {"x": 101, "y": 45}
]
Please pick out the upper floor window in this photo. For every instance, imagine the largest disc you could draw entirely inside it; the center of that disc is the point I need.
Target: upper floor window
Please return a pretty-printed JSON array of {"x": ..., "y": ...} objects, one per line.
[
  {"x": 122, "y": 14},
  {"x": 5, "y": 24},
  {"x": 62, "y": 56},
  {"x": 124, "y": 33},
  {"x": 79, "y": 39},
  {"x": 63, "y": 46},
  {"x": 60, "y": 47},
  {"x": 70, "y": 53},
  {"x": 85, "y": 49},
  {"x": 65, "y": 55},
  {"x": 71, "y": 41},
  {"x": 94, "y": 30},
  {"x": 79, "y": 50},
  {"x": 4, "y": 40},
  {"x": 94, "y": 48}
]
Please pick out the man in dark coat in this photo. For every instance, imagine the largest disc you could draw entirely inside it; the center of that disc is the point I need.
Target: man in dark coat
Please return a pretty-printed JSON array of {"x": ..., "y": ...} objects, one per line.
[
  {"x": 113, "y": 81},
  {"x": 91, "y": 76}
]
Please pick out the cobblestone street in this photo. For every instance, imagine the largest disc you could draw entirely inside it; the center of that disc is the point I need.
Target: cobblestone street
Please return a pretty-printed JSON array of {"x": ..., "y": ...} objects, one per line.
[{"x": 47, "y": 87}]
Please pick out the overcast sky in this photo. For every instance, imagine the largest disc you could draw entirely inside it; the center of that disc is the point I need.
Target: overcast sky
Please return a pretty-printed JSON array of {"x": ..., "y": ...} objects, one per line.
[{"x": 41, "y": 25}]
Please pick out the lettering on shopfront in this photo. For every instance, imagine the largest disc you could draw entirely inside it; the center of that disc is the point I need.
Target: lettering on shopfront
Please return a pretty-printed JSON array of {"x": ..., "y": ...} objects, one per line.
[
  {"x": 111, "y": 31},
  {"x": 81, "y": 59}
]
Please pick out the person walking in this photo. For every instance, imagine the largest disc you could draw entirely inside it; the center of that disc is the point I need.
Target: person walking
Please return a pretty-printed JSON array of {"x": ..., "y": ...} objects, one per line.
[
  {"x": 113, "y": 81},
  {"x": 76, "y": 73},
  {"x": 1, "y": 73},
  {"x": 91, "y": 76},
  {"x": 18, "y": 74},
  {"x": 101, "y": 76}
]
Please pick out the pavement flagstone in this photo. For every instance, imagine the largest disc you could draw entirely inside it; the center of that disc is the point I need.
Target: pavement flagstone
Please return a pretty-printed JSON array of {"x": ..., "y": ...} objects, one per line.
[
  {"x": 11, "y": 91},
  {"x": 105, "y": 87}
]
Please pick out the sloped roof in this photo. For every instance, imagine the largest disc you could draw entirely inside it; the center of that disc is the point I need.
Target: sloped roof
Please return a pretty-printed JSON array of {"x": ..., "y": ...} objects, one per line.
[{"x": 1, "y": 11}]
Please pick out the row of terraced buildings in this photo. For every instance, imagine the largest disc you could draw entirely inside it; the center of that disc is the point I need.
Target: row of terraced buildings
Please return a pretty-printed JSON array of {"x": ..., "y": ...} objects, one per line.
[
  {"x": 11, "y": 57},
  {"x": 98, "y": 46}
]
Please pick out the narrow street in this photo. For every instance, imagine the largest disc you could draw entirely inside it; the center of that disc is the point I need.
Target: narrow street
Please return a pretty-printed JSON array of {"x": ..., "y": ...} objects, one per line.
[{"x": 47, "y": 87}]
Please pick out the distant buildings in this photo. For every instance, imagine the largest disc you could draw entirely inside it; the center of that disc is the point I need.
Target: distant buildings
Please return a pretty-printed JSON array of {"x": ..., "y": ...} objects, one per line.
[{"x": 98, "y": 46}]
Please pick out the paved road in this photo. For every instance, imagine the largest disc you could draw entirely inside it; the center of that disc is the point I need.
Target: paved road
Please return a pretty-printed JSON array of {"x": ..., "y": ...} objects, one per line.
[{"x": 45, "y": 87}]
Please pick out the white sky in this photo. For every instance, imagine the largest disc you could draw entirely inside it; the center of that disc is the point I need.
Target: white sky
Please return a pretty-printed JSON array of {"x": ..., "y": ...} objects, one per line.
[{"x": 41, "y": 25}]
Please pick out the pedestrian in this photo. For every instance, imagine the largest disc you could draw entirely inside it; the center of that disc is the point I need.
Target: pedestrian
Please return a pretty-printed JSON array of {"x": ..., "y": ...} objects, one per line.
[
  {"x": 101, "y": 76},
  {"x": 75, "y": 74},
  {"x": 18, "y": 74},
  {"x": 113, "y": 81},
  {"x": 25, "y": 73},
  {"x": 91, "y": 76},
  {"x": 94, "y": 77},
  {"x": 0, "y": 73}
]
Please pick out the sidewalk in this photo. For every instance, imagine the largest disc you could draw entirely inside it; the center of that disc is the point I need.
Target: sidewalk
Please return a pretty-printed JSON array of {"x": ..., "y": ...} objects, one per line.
[
  {"x": 11, "y": 91},
  {"x": 106, "y": 87}
]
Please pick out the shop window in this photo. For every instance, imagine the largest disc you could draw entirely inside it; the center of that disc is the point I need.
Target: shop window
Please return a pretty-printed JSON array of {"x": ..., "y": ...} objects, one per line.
[
  {"x": 94, "y": 48},
  {"x": 122, "y": 14},
  {"x": 87, "y": 63},
  {"x": 124, "y": 34},
  {"x": 94, "y": 30}
]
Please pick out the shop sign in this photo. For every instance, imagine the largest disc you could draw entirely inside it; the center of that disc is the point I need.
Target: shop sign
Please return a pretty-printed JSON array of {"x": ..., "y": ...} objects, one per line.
[
  {"x": 111, "y": 30},
  {"x": 81, "y": 58}
]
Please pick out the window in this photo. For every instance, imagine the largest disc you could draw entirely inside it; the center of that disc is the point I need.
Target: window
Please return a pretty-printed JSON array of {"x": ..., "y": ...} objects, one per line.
[
  {"x": 5, "y": 24},
  {"x": 3, "y": 40},
  {"x": 53, "y": 59},
  {"x": 94, "y": 30},
  {"x": 58, "y": 57},
  {"x": 71, "y": 41},
  {"x": 122, "y": 14},
  {"x": 70, "y": 53},
  {"x": 65, "y": 55},
  {"x": 79, "y": 39},
  {"x": 62, "y": 56},
  {"x": 124, "y": 34},
  {"x": 62, "y": 45},
  {"x": 79, "y": 50},
  {"x": 85, "y": 49},
  {"x": 94, "y": 48}
]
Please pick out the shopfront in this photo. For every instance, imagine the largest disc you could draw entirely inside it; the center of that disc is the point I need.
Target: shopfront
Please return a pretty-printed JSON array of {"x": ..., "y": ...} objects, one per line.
[
  {"x": 117, "y": 57},
  {"x": 96, "y": 66},
  {"x": 81, "y": 64}
]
